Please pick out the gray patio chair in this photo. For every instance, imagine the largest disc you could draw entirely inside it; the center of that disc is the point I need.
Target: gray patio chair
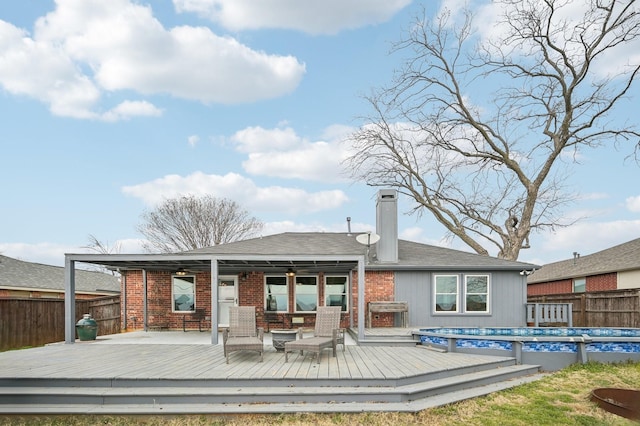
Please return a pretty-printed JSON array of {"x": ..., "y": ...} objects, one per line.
[
  {"x": 327, "y": 334},
  {"x": 242, "y": 333}
]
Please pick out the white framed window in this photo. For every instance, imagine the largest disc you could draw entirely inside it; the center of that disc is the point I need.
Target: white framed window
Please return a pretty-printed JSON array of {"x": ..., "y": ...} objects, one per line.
[
  {"x": 476, "y": 293},
  {"x": 462, "y": 293},
  {"x": 276, "y": 292},
  {"x": 446, "y": 297},
  {"x": 336, "y": 291},
  {"x": 183, "y": 293},
  {"x": 579, "y": 285},
  {"x": 306, "y": 293}
]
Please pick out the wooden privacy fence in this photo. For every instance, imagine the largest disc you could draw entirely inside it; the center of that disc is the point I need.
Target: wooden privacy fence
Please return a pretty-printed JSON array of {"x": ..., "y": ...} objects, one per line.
[
  {"x": 617, "y": 308},
  {"x": 36, "y": 322}
]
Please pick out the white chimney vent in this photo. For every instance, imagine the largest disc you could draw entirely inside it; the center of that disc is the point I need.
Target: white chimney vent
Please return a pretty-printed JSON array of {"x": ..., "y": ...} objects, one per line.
[{"x": 387, "y": 225}]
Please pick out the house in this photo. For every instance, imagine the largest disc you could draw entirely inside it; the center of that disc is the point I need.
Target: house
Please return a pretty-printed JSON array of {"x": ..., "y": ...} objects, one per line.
[
  {"x": 20, "y": 279},
  {"x": 616, "y": 268},
  {"x": 286, "y": 276}
]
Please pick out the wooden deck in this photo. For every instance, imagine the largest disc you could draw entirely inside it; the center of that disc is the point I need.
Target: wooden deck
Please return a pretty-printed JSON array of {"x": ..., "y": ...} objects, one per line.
[
  {"x": 147, "y": 378},
  {"x": 207, "y": 362}
]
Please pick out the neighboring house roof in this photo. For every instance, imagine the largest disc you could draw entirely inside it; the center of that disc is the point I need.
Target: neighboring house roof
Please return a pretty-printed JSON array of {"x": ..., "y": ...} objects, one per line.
[
  {"x": 623, "y": 257},
  {"x": 411, "y": 255},
  {"x": 19, "y": 275}
]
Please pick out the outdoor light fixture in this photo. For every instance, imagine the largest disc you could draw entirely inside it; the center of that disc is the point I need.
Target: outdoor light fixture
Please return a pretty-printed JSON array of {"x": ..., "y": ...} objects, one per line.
[
  {"x": 181, "y": 272},
  {"x": 291, "y": 272}
]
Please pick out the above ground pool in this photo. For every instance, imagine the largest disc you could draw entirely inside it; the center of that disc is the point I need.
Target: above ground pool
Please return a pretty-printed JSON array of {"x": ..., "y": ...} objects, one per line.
[{"x": 552, "y": 348}]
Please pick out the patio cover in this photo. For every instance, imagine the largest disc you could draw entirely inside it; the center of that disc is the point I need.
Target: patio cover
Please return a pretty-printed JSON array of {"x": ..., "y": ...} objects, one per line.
[{"x": 218, "y": 264}]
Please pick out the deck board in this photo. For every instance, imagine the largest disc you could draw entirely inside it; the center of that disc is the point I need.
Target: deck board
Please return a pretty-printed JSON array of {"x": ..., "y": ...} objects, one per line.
[{"x": 85, "y": 361}]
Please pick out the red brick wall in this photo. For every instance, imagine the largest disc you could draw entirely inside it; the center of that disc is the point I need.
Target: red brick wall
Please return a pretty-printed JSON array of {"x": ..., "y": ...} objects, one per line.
[
  {"x": 379, "y": 286},
  {"x": 554, "y": 287},
  {"x": 602, "y": 282}
]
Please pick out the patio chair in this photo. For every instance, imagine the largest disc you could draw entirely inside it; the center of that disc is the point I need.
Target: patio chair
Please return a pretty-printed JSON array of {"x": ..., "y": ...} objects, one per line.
[
  {"x": 327, "y": 334},
  {"x": 242, "y": 333}
]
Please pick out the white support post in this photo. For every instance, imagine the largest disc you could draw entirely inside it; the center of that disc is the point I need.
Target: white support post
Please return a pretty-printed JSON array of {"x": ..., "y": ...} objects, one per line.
[
  {"x": 361, "y": 299},
  {"x": 214, "y": 301},
  {"x": 145, "y": 302},
  {"x": 69, "y": 300}
]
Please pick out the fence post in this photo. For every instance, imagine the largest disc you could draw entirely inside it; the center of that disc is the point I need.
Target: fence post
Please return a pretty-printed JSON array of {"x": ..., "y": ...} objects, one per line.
[{"x": 636, "y": 316}]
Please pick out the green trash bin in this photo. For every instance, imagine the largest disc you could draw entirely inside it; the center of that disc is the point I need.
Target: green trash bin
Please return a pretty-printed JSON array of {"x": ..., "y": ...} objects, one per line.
[{"x": 87, "y": 328}]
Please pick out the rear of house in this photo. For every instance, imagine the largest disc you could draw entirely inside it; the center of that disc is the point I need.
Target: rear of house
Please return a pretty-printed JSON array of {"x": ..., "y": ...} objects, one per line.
[{"x": 287, "y": 276}]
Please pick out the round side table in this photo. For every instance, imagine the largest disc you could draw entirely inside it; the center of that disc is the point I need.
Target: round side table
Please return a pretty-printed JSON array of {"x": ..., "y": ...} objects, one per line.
[{"x": 279, "y": 337}]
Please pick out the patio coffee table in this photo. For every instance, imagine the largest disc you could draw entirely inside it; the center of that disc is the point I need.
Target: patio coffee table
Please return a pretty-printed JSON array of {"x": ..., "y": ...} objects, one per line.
[{"x": 279, "y": 337}]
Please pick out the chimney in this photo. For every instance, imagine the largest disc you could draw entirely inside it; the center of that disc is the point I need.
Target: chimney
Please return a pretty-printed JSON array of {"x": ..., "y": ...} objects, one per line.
[{"x": 387, "y": 225}]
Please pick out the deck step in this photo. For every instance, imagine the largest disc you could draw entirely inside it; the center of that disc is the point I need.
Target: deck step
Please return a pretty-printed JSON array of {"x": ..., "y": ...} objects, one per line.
[
  {"x": 273, "y": 408},
  {"x": 259, "y": 399}
]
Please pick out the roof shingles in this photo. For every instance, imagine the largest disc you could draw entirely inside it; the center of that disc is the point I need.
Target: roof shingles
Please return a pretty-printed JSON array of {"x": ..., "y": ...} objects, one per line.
[
  {"x": 17, "y": 274},
  {"x": 623, "y": 257}
]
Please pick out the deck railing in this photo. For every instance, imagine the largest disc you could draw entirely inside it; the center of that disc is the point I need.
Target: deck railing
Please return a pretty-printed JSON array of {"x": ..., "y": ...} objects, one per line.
[{"x": 549, "y": 314}]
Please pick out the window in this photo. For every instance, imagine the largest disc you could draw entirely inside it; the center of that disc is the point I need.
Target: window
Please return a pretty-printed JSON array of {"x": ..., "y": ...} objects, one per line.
[
  {"x": 306, "y": 293},
  {"x": 476, "y": 293},
  {"x": 277, "y": 294},
  {"x": 450, "y": 297},
  {"x": 183, "y": 290},
  {"x": 336, "y": 290},
  {"x": 579, "y": 285},
  {"x": 446, "y": 293}
]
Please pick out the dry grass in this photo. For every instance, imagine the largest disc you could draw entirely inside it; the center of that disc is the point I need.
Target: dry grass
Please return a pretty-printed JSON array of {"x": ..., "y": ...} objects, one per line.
[{"x": 561, "y": 398}]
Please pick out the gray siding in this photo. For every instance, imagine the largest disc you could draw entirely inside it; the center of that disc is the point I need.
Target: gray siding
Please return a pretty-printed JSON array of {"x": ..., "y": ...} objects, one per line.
[{"x": 508, "y": 295}]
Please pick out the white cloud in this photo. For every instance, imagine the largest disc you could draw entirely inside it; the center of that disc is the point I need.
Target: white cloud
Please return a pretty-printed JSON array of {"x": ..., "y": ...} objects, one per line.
[
  {"x": 589, "y": 237},
  {"x": 45, "y": 253},
  {"x": 193, "y": 140},
  {"x": 53, "y": 253},
  {"x": 240, "y": 189},
  {"x": 282, "y": 153},
  {"x": 128, "y": 109},
  {"x": 87, "y": 47},
  {"x": 633, "y": 204},
  {"x": 314, "y": 17},
  {"x": 258, "y": 139},
  {"x": 568, "y": 16}
]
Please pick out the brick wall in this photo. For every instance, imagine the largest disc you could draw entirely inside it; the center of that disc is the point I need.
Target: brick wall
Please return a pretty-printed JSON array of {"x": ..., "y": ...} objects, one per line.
[
  {"x": 380, "y": 286},
  {"x": 602, "y": 282},
  {"x": 554, "y": 287},
  {"x": 594, "y": 283}
]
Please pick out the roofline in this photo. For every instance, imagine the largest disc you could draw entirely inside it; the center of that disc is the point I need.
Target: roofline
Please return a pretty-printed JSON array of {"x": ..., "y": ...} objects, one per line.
[
  {"x": 387, "y": 267},
  {"x": 91, "y": 258},
  {"x": 54, "y": 290}
]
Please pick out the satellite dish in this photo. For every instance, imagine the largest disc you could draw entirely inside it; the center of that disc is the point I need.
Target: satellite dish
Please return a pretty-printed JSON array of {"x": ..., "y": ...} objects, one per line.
[{"x": 368, "y": 238}]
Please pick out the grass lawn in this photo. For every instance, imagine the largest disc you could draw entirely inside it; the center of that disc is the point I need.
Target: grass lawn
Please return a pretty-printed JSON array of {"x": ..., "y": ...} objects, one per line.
[{"x": 562, "y": 398}]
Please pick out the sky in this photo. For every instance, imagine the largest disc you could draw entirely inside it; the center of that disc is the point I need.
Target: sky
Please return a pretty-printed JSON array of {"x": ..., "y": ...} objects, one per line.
[{"x": 109, "y": 107}]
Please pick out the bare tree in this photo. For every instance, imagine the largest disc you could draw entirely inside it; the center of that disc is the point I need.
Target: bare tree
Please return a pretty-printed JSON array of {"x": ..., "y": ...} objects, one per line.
[
  {"x": 480, "y": 129},
  {"x": 102, "y": 247},
  {"x": 190, "y": 222}
]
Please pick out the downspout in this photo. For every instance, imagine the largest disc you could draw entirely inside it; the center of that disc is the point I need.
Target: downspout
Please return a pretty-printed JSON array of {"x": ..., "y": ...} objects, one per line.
[{"x": 69, "y": 300}]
